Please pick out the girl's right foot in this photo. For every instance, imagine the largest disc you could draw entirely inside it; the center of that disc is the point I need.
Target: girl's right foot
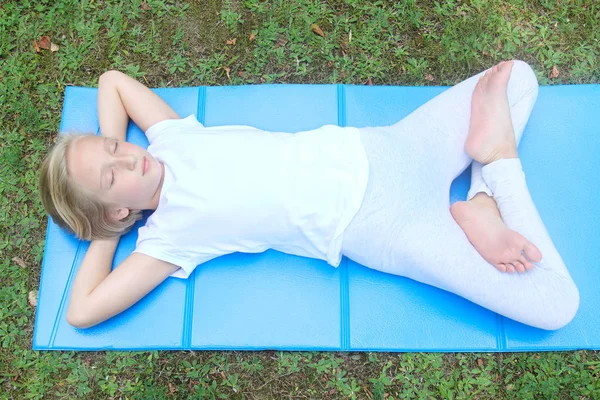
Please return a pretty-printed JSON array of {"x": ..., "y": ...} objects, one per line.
[
  {"x": 502, "y": 247},
  {"x": 491, "y": 137}
]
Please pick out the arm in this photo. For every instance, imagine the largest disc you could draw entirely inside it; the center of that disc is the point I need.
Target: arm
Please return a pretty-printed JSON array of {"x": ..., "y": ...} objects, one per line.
[
  {"x": 120, "y": 98},
  {"x": 99, "y": 294}
]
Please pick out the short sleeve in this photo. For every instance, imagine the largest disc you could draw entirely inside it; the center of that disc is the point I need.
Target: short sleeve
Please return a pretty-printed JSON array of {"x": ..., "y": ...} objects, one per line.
[
  {"x": 169, "y": 125},
  {"x": 161, "y": 250}
]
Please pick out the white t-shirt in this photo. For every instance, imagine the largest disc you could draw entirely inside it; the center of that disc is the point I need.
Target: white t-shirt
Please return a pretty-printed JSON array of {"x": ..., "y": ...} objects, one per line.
[{"x": 238, "y": 188}]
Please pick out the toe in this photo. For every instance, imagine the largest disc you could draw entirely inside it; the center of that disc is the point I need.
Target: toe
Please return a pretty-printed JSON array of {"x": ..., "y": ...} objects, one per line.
[
  {"x": 505, "y": 65},
  {"x": 501, "y": 267},
  {"x": 532, "y": 252},
  {"x": 519, "y": 266},
  {"x": 527, "y": 264},
  {"x": 509, "y": 268}
]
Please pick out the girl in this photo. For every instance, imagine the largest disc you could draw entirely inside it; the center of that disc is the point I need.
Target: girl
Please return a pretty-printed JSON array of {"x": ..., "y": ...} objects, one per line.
[{"x": 378, "y": 195}]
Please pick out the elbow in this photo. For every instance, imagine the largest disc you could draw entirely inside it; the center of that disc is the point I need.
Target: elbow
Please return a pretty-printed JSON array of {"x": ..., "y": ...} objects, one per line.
[
  {"x": 79, "y": 320},
  {"x": 76, "y": 321},
  {"x": 109, "y": 76}
]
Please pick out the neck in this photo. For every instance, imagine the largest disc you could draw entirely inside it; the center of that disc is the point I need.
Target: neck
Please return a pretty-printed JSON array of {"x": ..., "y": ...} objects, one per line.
[{"x": 154, "y": 202}]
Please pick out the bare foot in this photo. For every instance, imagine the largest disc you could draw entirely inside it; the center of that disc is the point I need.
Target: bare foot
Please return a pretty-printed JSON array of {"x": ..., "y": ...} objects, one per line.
[
  {"x": 491, "y": 134},
  {"x": 504, "y": 248},
  {"x": 491, "y": 137}
]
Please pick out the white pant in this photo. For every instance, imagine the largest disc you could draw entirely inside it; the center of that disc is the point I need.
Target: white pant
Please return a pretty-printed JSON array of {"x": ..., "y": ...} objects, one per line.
[{"x": 404, "y": 226}]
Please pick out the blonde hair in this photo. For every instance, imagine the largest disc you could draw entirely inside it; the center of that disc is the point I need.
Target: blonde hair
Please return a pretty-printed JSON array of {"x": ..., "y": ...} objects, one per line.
[{"x": 73, "y": 207}]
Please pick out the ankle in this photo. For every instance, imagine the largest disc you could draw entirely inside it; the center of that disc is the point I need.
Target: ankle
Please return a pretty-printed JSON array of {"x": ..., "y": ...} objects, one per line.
[{"x": 509, "y": 152}]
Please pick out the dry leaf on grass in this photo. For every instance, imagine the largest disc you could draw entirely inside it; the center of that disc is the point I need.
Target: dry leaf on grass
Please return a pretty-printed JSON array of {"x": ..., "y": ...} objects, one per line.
[
  {"x": 554, "y": 73},
  {"x": 20, "y": 262},
  {"x": 370, "y": 82},
  {"x": 429, "y": 77},
  {"x": 241, "y": 74},
  {"x": 252, "y": 36},
  {"x": 317, "y": 30},
  {"x": 36, "y": 47},
  {"x": 171, "y": 389},
  {"x": 343, "y": 46},
  {"x": 227, "y": 70},
  {"x": 33, "y": 298},
  {"x": 232, "y": 41},
  {"x": 146, "y": 6},
  {"x": 44, "y": 42},
  {"x": 54, "y": 47},
  {"x": 281, "y": 42}
]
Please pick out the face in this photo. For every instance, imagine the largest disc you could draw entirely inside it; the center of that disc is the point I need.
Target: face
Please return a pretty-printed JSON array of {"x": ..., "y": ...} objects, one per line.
[{"x": 118, "y": 173}]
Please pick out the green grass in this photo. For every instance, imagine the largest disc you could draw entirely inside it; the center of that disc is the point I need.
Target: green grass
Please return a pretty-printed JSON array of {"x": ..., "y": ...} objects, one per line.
[{"x": 177, "y": 43}]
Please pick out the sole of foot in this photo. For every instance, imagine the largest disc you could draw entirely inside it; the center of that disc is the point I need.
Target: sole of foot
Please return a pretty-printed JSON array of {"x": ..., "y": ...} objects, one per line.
[
  {"x": 500, "y": 246},
  {"x": 491, "y": 137}
]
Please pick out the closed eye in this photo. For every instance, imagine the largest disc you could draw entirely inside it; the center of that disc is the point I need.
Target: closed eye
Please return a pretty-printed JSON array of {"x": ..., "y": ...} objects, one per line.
[{"x": 112, "y": 172}]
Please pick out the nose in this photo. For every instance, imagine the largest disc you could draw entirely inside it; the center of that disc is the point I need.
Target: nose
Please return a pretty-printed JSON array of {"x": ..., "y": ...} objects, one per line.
[{"x": 127, "y": 162}]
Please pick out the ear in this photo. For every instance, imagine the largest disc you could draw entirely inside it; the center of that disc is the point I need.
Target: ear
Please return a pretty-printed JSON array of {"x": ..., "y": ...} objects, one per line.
[{"x": 118, "y": 214}]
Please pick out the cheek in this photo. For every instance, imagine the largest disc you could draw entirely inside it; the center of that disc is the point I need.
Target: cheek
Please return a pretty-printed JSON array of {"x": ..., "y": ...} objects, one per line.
[{"x": 129, "y": 185}]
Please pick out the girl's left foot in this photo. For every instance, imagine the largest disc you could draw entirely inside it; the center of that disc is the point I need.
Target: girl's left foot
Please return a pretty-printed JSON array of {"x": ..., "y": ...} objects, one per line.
[
  {"x": 502, "y": 247},
  {"x": 491, "y": 134}
]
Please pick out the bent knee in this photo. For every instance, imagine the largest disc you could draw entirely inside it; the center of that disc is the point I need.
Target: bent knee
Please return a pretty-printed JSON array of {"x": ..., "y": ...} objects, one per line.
[
  {"x": 524, "y": 72},
  {"x": 524, "y": 79},
  {"x": 561, "y": 310}
]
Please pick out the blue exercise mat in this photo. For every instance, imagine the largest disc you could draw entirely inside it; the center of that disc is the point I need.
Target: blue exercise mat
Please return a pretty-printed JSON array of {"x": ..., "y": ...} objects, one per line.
[{"x": 277, "y": 301}]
